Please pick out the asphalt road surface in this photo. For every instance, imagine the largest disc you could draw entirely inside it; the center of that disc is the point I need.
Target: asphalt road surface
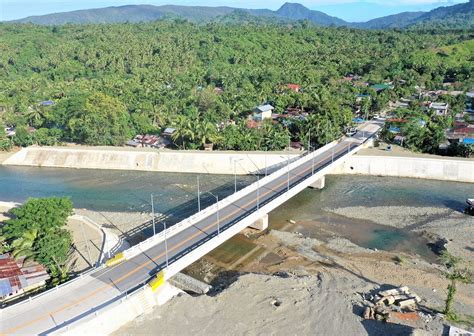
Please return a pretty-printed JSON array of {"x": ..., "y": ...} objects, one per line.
[{"x": 68, "y": 304}]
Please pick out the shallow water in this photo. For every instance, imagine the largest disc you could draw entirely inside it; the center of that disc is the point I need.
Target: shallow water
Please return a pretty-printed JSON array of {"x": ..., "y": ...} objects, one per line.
[
  {"x": 110, "y": 190},
  {"x": 113, "y": 190},
  {"x": 307, "y": 208}
]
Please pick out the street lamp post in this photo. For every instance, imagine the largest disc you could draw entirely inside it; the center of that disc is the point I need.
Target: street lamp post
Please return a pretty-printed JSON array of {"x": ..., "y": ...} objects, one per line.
[
  {"x": 258, "y": 192},
  {"x": 217, "y": 214},
  {"x": 288, "y": 173},
  {"x": 265, "y": 164},
  {"x": 166, "y": 246},
  {"x": 199, "y": 193},
  {"x": 235, "y": 174},
  {"x": 153, "y": 214}
]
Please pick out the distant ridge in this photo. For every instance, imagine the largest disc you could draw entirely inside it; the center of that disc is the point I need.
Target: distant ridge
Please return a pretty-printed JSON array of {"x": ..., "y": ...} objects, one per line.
[{"x": 457, "y": 16}]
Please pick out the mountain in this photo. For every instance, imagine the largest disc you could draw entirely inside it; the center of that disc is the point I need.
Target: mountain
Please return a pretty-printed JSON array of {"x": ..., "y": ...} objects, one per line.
[
  {"x": 295, "y": 11},
  {"x": 129, "y": 13},
  {"x": 457, "y": 16},
  {"x": 143, "y": 13},
  {"x": 454, "y": 17},
  {"x": 400, "y": 20}
]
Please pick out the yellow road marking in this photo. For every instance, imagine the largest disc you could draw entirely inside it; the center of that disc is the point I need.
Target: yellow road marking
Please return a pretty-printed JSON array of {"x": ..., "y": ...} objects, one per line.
[{"x": 133, "y": 271}]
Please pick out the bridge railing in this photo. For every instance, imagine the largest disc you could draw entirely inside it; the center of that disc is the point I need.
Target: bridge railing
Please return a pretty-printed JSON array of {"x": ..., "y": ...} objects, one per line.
[{"x": 212, "y": 209}]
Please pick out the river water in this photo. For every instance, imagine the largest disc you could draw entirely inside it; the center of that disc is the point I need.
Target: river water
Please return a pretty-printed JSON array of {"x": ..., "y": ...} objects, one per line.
[
  {"x": 126, "y": 191},
  {"x": 113, "y": 190},
  {"x": 310, "y": 208}
]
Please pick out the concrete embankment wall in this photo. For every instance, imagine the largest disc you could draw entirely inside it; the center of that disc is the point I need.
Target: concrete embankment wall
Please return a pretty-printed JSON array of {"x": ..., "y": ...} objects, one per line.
[
  {"x": 147, "y": 160},
  {"x": 414, "y": 167}
]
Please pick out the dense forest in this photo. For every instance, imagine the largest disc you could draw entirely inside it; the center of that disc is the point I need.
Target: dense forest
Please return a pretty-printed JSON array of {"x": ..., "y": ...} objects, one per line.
[{"x": 112, "y": 81}]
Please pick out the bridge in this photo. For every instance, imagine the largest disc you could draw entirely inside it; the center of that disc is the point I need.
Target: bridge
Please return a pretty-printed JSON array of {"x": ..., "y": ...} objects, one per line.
[{"x": 171, "y": 250}]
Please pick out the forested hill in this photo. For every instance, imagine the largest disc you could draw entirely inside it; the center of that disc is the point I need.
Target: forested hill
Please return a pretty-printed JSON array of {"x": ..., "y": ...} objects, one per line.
[
  {"x": 458, "y": 16},
  {"x": 104, "y": 83},
  {"x": 454, "y": 17}
]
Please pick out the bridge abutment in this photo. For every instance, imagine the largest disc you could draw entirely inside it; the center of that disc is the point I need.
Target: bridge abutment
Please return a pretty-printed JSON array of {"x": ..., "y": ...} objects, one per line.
[
  {"x": 319, "y": 184},
  {"x": 260, "y": 224}
]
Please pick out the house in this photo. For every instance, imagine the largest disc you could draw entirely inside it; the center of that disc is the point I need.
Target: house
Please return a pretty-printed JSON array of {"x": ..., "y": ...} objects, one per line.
[
  {"x": 470, "y": 102},
  {"x": 17, "y": 277},
  {"x": 399, "y": 139},
  {"x": 133, "y": 143},
  {"x": 293, "y": 87},
  {"x": 253, "y": 124},
  {"x": 380, "y": 87},
  {"x": 361, "y": 97},
  {"x": 46, "y": 103},
  {"x": 168, "y": 132},
  {"x": 441, "y": 109},
  {"x": 147, "y": 140},
  {"x": 10, "y": 131},
  {"x": 263, "y": 112}
]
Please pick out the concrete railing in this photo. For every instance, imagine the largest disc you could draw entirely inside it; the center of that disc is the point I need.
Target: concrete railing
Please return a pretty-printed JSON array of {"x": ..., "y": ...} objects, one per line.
[{"x": 212, "y": 209}]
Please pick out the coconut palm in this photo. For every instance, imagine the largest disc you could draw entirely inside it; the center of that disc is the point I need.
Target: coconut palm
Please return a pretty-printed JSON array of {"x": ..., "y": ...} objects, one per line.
[{"x": 23, "y": 246}]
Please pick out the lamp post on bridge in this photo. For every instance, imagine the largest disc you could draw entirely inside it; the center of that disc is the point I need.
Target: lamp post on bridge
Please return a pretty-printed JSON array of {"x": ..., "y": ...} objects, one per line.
[
  {"x": 217, "y": 213},
  {"x": 235, "y": 174},
  {"x": 153, "y": 214},
  {"x": 166, "y": 245},
  {"x": 199, "y": 193}
]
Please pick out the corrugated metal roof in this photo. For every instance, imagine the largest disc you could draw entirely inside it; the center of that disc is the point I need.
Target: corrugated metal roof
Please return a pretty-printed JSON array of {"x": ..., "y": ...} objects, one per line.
[{"x": 265, "y": 108}]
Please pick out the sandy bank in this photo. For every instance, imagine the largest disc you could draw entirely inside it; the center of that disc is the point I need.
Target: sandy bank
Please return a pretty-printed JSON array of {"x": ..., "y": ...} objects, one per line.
[
  {"x": 457, "y": 228},
  {"x": 256, "y": 305}
]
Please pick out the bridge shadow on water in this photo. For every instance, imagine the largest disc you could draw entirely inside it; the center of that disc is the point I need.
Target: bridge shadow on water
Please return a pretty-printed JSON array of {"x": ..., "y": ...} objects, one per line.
[{"x": 180, "y": 212}]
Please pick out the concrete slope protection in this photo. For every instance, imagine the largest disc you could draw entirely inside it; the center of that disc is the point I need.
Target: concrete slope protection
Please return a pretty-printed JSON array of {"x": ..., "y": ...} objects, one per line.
[{"x": 63, "y": 307}]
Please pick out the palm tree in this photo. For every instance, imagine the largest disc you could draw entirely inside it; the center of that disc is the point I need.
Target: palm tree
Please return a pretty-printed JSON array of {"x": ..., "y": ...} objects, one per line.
[{"x": 23, "y": 246}]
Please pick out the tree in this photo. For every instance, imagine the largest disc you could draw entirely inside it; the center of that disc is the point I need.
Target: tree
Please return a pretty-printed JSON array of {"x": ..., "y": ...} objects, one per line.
[
  {"x": 23, "y": 137},
  {"x": 103, "y": 120},
  {"x": 23, "y": 246},
  {"x": 36, "y": 231},
  {"x": 5, "y": 143}
]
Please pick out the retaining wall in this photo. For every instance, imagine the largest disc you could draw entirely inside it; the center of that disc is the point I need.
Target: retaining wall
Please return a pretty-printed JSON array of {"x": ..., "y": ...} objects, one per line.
[
  {"x": 148, "y": 160},
  {"x": 426, "y": 168}
]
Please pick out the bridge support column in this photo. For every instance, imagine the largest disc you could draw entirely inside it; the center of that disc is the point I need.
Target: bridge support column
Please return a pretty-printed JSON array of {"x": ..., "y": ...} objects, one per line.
[
  {"x": 319, "y": 184},
  {"x": 261, "y": 224}
]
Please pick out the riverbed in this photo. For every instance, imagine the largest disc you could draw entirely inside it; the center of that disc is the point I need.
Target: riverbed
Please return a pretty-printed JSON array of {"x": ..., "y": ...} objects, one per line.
[{"x": 316, "y": 211}]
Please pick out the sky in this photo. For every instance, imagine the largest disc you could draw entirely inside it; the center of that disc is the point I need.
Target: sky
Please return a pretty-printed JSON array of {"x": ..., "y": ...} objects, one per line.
[{"x": 349, "y": 10}]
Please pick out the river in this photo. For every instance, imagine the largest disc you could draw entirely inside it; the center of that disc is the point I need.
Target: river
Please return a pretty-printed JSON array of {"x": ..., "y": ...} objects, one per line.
[{"x": 126, "y": 191}]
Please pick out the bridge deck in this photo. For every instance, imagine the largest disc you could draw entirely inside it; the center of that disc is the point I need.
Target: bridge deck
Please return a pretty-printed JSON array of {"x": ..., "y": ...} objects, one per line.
[{"x": 69, "y": 303}]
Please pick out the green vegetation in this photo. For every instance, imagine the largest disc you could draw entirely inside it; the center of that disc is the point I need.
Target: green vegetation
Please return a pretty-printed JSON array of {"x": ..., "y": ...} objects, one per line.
[
  {"x": 460, "y": 16},
  {"x": 37, "y": 232},
  {"x": 455, "y": 275},
  {"x": 110, "y": 82}
]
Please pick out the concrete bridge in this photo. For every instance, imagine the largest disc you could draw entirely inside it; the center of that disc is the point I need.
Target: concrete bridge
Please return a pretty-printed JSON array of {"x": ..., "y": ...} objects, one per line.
[{"x": 61, "y": 309}]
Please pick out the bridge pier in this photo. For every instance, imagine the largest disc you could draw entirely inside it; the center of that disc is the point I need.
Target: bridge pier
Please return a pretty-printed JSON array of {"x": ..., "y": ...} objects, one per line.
[
  {"x": 319, "y": 184},
  {"x": 260, "y": 224}
]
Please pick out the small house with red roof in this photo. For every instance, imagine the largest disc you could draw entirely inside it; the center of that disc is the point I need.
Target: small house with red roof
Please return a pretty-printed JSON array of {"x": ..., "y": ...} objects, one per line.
[{"x": 17, "y": 277}]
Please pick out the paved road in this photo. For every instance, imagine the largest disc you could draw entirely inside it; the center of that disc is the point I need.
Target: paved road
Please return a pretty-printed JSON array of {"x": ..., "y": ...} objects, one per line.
[{"x": 69, "y": 303}]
